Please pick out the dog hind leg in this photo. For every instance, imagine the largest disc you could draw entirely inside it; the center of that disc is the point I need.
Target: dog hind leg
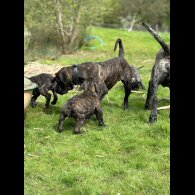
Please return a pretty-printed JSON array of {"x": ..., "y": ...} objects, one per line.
[
  {"x": 61, "y": 121},
  {"x": 154, "y": 102},
  {"x": 142, "y": 85},
  {"x": 127, "y": 85}
]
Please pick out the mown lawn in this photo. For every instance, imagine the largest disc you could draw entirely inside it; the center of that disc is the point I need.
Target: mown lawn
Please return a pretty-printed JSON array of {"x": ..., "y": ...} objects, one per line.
[{"x": 130, "y": 156}]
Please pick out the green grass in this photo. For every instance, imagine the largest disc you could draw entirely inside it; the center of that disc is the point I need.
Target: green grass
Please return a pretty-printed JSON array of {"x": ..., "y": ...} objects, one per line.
[{"x": 130, "y": 156}]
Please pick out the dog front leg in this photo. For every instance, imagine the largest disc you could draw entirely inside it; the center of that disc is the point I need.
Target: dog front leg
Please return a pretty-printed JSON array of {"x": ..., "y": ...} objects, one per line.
[
  {"x": 102, "y": 91},
  {"x": 48, "y": 98},
  {"x": 55, "y": 98},
  {"x": 79, "y": 123},
  {"x": 61, "y": 121},
  {"x": 154, "y": 103}
]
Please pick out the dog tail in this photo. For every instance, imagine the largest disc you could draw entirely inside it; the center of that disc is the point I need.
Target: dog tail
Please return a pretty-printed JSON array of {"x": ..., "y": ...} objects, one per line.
[
  {"x": 121, "y": 49},
  {"x": 160, "y": 41}
]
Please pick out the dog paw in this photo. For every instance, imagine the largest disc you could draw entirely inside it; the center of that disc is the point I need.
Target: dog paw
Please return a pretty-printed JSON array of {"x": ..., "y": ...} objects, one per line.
[
  {"x": 53, "y": 103},
  {"x": 146, "y": 107},
  {"x": 77, "y": 132},
  {"x": 34, "y": 104},
  {"x": 152, "y": 118},
  {"x": 59, "y": 130},
  {"x": 103, "y": 125},
  {"x": 125, "y": 107}
]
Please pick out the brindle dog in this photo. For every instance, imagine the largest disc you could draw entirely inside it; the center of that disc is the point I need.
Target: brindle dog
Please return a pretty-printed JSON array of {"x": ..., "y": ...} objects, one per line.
[
  {"x": 82, "y": 107},
  {"x": 160, "y": 75},
  {"x": 44, "y": 85},
  {"x": 108, "y": 73}
]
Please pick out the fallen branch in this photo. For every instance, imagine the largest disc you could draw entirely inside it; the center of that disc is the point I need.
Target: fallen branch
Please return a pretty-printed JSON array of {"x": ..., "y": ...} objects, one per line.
[
  {"x": 31, "y": 155},
  {"x": 38, "y": 128},
  {"x": 137, "y": 91},
  {"x": 164, "y": 107}
]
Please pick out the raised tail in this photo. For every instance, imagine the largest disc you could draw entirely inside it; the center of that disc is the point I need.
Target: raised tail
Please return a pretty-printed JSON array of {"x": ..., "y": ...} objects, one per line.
[
  {"x": 161, "y": 42},
  {"x": 121, "y": 49}
]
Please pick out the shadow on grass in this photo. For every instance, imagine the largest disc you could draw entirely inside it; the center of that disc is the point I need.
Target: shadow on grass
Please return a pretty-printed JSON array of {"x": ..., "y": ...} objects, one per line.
[
  {"x": 52, "y": 109},
  {"x": 68, "y": 125}
]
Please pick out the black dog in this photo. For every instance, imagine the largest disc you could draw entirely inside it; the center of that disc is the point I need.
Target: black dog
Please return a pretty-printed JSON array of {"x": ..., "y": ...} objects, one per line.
[
  {"x": 160, "y": 75},
  {"x": 108, "y": 73},
  {"x": 82, "y": 107},
  {"x": 136, "y": 82},
  {"x": 44, "y": 85}
]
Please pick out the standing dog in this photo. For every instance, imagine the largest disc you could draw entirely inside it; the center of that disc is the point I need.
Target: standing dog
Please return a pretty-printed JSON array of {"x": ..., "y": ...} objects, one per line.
[
  {"x": 160, "y": 75},
  {"x": 44, "y": 82},
  {"x": 136, "y": 81},
  {"x": 108, "y": 73},
  {"x": 82, "y": 106}
]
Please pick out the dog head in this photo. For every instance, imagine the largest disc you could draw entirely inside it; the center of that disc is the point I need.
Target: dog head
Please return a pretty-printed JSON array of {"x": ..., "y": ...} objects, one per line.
[
  {"x": 63, "y": 81},
  {"x": 136, "y": 82}
]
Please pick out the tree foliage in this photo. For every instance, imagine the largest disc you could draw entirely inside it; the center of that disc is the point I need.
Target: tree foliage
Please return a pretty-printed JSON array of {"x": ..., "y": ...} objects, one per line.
[
  {"x": 63, "y": 23},
  {"x": 131, "y": 12}
]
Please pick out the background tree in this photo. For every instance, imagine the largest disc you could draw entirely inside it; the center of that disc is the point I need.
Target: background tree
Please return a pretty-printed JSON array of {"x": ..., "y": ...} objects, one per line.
[
  {"x": 59, "y": 26},
  {"x": 62, "y": 22},
  {"x": 128, "y": 14}
]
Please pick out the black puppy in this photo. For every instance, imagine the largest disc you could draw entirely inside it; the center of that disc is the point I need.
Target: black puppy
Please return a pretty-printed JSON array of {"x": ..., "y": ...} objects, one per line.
[
  {"x": 160, "y": 75},
  {"x": 108, "y": 73},
  {"x": 82, "y": 107},
  {"x": 44, "y": 85}
]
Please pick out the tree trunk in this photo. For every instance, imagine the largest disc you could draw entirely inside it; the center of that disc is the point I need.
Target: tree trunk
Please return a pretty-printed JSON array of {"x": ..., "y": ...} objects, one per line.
[
  {"x": 60, "y": 24},
  {"x": 75, "y": 30},
  {"x": 133, "y": 21}
]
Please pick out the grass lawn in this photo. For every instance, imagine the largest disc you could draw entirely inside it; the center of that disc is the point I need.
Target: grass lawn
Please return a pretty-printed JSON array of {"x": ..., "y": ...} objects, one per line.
[{"x": 130, "y": 156}]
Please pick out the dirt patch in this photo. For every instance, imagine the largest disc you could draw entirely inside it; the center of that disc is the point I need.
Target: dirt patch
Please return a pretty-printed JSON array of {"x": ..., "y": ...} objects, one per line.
[{"x": 35, "y": 68}]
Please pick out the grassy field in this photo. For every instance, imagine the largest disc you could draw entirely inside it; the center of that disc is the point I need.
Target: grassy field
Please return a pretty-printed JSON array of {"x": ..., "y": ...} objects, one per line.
[{"x": 129, "y": 157}]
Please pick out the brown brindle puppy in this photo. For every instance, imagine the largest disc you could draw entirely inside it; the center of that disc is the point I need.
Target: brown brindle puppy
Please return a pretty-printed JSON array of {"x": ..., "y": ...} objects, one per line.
[
  {"x": 108, "y": 73},
  {"x": 82, "y": 107}
]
